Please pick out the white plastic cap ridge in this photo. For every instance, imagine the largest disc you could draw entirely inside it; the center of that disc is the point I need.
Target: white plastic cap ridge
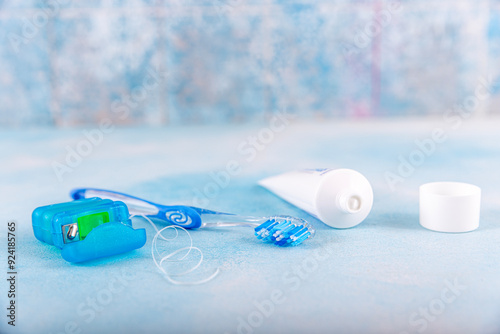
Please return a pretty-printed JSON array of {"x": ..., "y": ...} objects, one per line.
[{"x": 450, "y": 206}]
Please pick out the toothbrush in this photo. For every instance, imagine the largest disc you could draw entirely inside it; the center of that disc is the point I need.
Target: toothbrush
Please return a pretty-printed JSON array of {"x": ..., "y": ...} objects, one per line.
[{"x": 280, "y": 230}]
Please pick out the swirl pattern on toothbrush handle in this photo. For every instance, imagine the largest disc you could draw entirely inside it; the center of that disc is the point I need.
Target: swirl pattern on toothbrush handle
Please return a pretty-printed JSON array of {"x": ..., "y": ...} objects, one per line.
[{"x": 178, "y": 217}]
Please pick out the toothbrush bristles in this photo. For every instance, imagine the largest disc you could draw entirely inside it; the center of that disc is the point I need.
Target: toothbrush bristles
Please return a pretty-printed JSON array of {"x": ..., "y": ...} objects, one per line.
[{"x": 284, "y": 231}]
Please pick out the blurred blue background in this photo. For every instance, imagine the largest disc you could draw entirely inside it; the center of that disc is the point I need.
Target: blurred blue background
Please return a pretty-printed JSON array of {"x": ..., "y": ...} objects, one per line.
[{"x": 67, "y": 63}]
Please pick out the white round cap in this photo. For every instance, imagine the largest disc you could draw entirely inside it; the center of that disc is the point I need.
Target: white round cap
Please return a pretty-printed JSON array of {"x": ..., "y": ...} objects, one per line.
[{"x": 450, "y": 206}]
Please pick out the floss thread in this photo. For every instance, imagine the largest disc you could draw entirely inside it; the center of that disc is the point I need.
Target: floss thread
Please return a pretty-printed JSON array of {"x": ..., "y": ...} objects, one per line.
[{"x": 159, "y": 260}]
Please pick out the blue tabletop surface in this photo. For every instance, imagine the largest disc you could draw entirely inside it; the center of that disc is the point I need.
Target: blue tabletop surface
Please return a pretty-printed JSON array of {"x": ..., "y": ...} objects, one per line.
[{"x": 387, "y": 275}]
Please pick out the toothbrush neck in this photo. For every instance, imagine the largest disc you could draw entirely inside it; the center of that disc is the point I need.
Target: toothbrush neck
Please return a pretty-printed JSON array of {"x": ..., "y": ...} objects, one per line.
[{"x": 222, "y": 220}]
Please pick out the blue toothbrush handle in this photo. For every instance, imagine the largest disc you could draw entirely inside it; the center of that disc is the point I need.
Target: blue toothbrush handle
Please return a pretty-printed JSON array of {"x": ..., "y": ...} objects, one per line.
[{"x": 180, "y": 215}]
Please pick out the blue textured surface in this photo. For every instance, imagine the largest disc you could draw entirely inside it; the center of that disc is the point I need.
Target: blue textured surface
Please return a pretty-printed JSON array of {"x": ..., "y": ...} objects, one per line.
[
  {"x": 373, "y": 278},
  {"x": 232, "y": 61}
]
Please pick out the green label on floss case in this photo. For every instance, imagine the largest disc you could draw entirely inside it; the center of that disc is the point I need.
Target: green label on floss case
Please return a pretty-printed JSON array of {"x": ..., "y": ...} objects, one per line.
[{"x": 88, "y": 223}]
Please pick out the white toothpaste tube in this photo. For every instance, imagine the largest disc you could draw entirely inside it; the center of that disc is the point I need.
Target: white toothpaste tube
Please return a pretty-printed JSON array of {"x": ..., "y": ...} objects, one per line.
[{"x": 341, "y": 198}]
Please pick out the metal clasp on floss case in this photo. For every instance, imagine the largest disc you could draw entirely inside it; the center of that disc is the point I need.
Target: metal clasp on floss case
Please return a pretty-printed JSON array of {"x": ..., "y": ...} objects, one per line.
[{"x": 87, "y": 229}]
